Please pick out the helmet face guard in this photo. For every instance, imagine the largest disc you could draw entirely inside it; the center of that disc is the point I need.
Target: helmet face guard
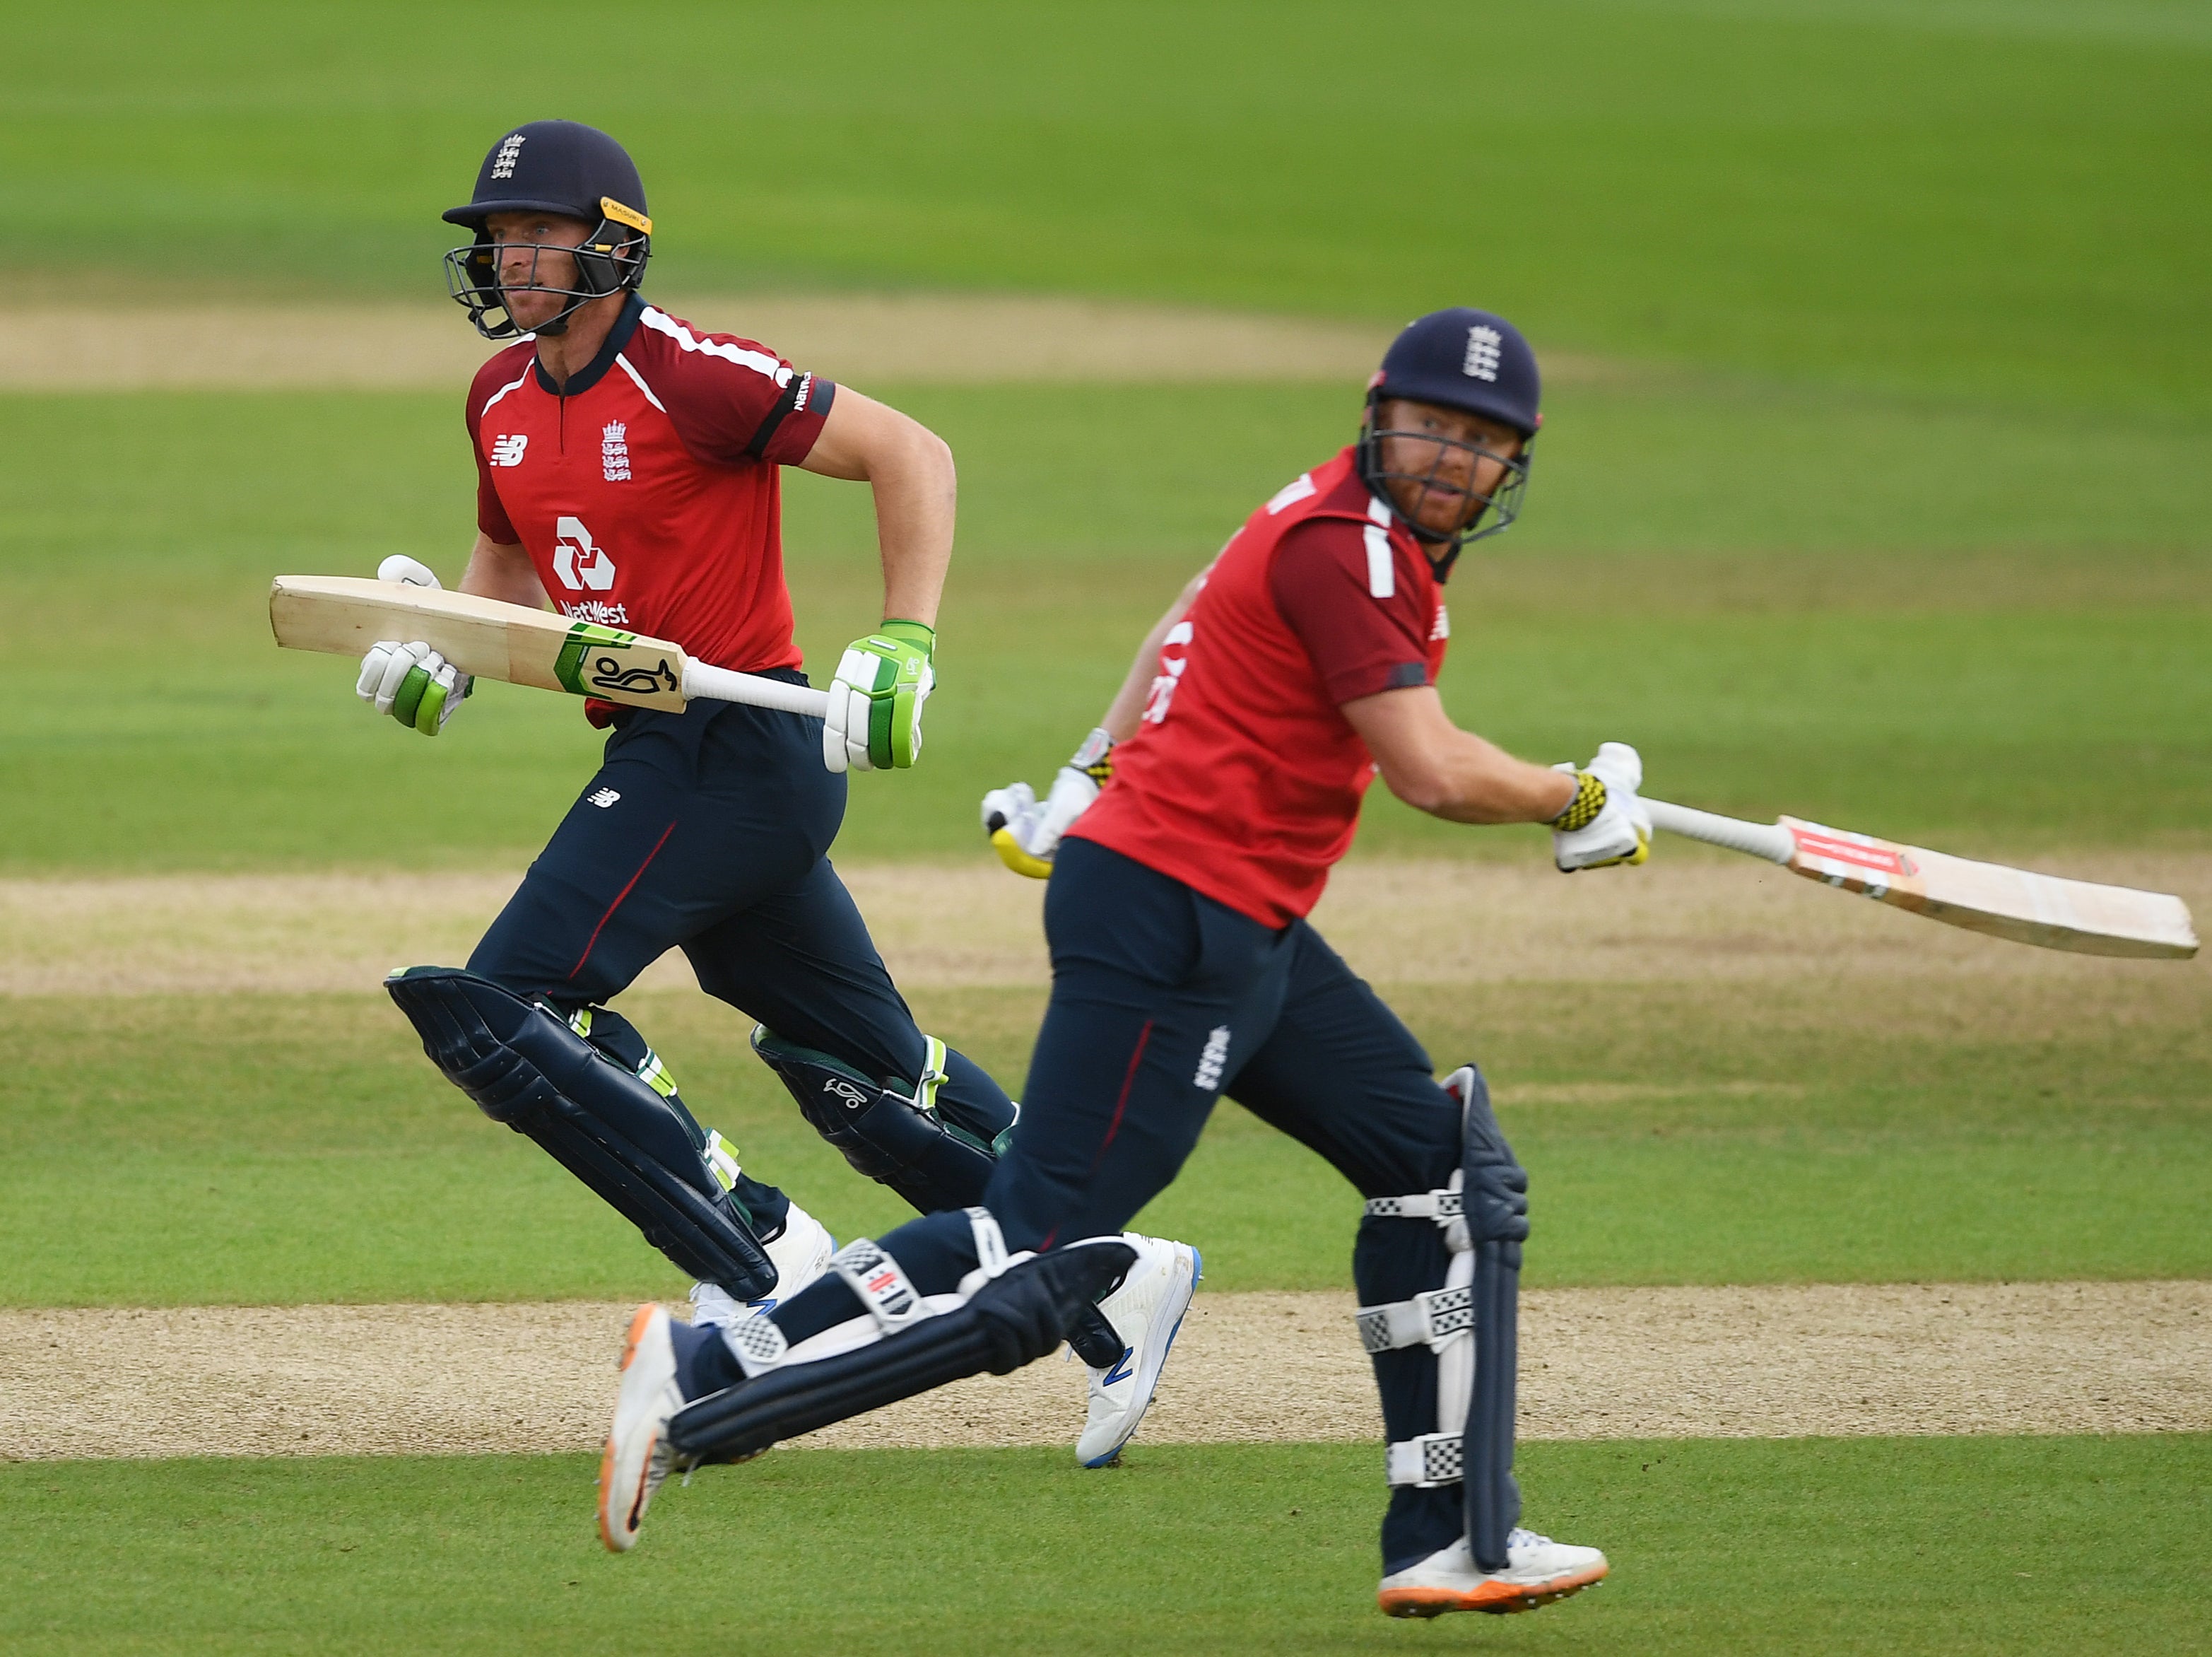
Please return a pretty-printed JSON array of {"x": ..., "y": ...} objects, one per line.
[
  {"x": 611, "y": 260},
  {"x": 1500, "y": 506}
]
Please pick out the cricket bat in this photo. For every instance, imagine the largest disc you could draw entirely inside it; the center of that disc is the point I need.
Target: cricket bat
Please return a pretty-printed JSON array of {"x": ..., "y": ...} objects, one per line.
[
  {"x": 1988, "y": 897},
  {"x": 344, "y": 615}
]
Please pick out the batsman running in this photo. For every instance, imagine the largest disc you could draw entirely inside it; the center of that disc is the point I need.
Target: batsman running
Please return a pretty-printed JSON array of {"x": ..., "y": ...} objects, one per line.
[
  {"x": 628, "y": 465},
  {"x": 1233, "y": 762}
]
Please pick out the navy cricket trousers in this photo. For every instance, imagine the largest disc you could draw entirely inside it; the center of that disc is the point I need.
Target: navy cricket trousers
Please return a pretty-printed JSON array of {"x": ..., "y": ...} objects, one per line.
[
  {"x": 1163, "y": 999},
  {"x": 709, "y": 831}
]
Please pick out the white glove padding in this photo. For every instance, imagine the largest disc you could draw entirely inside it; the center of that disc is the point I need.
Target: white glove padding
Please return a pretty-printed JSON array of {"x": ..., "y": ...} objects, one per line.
[
  {"x": 1011, "y": 816},
  {"x": 1026, "y": 832},
  {"x": 427, "y": 702},
  {"x": 408, "y": 572},
  {"x": 845, "y": 730},
  {"x": 412, "y": 683},
  {"x": 1620, "y": 832}
]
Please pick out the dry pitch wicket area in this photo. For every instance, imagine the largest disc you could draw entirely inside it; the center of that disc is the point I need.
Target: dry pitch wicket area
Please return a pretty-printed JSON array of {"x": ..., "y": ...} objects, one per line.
[{"x": 1867, "y": 1304}]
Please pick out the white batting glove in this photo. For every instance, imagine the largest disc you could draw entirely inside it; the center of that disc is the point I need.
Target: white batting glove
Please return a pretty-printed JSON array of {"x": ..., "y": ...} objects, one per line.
[
  {"x": 411, "y": 682},
  {"x": 1605, "y": 823},
  {"x": 1026, "y": 831}
]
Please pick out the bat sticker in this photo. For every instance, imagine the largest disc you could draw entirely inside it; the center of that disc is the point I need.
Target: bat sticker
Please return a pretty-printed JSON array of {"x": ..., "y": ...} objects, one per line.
[{"x": 609, "y": 675}]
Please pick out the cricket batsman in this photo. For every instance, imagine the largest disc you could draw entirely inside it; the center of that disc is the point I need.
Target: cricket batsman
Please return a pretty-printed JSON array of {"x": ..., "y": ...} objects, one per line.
[
  {"x": 1234, "y": 760},
  {"x": 628, "y": 465}
]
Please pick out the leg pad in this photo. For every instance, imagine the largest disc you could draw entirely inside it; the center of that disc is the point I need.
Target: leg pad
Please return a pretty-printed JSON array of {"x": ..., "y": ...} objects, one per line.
[
  {"x": 900, "y": 1140},
  {"x": 910, "y": 1143},
  {"x": 1014, "y": 1318},
  {"x": 525, "y": 1067}
]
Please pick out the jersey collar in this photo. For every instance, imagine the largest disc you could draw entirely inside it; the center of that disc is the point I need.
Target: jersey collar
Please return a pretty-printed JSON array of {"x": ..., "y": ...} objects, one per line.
[{"x": 596, "y": 369}]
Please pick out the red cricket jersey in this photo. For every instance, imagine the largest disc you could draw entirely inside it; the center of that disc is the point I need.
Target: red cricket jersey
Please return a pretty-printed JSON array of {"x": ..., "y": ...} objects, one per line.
[
  {"x": 1244, "y": 779},
  {"x": 646, "y": 491}
]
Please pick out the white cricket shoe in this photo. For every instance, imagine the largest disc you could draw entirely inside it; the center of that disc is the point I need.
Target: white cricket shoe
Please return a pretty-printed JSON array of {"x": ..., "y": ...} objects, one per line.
[
  {"x": 1145, "y": 1312},
  {"x": 801, "y": 1252},
  {"x": 1537, "y": 1570},
  {"x": 636, "y": 1458}
]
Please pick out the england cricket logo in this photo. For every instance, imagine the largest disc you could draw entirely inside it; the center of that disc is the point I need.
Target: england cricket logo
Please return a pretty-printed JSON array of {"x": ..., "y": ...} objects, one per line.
[
  {"x": 1482, "y": 350},
  {"x": 614, "y": 453},
  {"x": 1210, "y": 1062},
  {"x": 510, "y": 150},
  {"x": 576, "y": 563}
]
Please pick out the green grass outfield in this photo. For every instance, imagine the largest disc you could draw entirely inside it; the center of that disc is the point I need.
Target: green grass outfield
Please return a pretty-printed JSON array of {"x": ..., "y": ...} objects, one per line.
[
  {"x": 298, "y": 1149},
  {"x": 1889, "y": 504},
  {"x": 1969, "y": 196},
  {"x": 1960, "y": 1546}
]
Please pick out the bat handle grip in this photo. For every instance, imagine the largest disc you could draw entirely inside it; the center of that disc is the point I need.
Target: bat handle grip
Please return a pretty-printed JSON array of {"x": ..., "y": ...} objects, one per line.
[
  {"x": 723, "y": 685},
  {"x": 1769, "y": 840}
]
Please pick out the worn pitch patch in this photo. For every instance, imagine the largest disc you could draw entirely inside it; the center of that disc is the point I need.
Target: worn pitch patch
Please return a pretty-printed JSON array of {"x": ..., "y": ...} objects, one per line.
[
  {"x": 1777, "y": 1362},
  {"x": 942, "y": 339},
  {"x": 1699, "y": 917}
]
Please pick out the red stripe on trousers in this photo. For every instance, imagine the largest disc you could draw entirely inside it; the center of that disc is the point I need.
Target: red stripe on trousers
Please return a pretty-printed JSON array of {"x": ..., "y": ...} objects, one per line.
[
  {"x": 590, "y": 942},
  {"x": 1120, "y": 1104}
]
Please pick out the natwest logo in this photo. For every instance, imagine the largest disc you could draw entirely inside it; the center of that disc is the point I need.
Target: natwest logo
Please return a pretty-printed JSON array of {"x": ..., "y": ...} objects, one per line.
[{"x": 576, "y": 562}]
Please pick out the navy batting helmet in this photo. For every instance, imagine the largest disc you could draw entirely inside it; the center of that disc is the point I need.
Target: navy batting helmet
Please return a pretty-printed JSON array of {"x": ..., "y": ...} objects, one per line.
[
  {"x": 552, "y": 167},
  {"x": 1473, "y": 360}
]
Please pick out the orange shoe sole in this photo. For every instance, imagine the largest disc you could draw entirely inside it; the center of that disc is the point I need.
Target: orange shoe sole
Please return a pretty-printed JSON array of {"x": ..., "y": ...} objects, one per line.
[
  {"x": 635, "y": 1333},
  {"x": 1497, "y": 1599}
]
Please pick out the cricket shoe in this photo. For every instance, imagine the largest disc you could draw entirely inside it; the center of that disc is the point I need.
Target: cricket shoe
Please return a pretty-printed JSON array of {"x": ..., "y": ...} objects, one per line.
[
  {"x": 799, "y": 1253},
  {"x": 1145, "y": 1312},
  {"x": 636, "y": 1458},
  {"x": 1537, "y": 1570}
]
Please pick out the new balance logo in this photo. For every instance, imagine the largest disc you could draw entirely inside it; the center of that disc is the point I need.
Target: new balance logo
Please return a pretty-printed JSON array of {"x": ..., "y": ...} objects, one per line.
[
  {"x": 510, "y": 150},
  {"x": 602, "y": 797},
  {"x": 1121, "y": 1371},
  {"x": 614, "y": 453},
  {"x": 507, "y": 449},
  {"x": 576, "y": 562},
  {"x": 1211, "y": 1060},
  {"x": 1443, "y": 627},
  {"x": 1482, "y": 348}
]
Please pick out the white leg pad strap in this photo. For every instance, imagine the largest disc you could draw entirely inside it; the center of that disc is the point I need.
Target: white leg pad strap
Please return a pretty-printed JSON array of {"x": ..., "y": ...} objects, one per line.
[
  {"x": 1431, "y": 1460},
  {"x": 879, "y": 1284},
  {"x": 991, "y": 1256},
  {"x": 1428, "y": 1320},
  {"x": 1442, "y": 1206},
  {"x": 1447, "y": 1208},
  {"x": 757, "y": 1344}
]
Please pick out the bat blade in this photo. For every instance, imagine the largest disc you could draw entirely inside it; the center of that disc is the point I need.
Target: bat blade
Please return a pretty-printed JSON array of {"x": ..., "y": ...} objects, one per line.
[
  {"x": 1992, "y": 898},
  {"x": 344, "y": 615}
]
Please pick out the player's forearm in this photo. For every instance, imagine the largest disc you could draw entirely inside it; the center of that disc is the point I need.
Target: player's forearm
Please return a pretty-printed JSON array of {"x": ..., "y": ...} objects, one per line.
[
  {"x": 1128, "y": 708},
  {"x": 499, "y": 571},
  {"x": 916, "y": 492},
  {"x": 1475, "y": 780},
  {"x": 1435, "y": 766}
]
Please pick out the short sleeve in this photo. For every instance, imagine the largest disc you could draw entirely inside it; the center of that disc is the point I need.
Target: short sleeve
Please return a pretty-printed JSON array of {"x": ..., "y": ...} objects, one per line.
[
  {"x": 1361, "y": 643},
  {"x": 491, "y": 512},
  {"x": 735, "y": 400}
]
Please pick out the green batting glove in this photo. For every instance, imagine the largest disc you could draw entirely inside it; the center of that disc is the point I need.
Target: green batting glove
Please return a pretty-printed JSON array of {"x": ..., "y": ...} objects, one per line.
[
  {"x": 874, "y": 721},
  {"x": 412, "y": 683}
]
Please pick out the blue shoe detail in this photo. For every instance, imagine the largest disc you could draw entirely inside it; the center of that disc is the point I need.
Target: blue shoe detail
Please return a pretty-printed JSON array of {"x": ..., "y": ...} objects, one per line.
[
  {"x": 1197, "y": 1273},
  {"x": 1118, "y": 1373}
]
